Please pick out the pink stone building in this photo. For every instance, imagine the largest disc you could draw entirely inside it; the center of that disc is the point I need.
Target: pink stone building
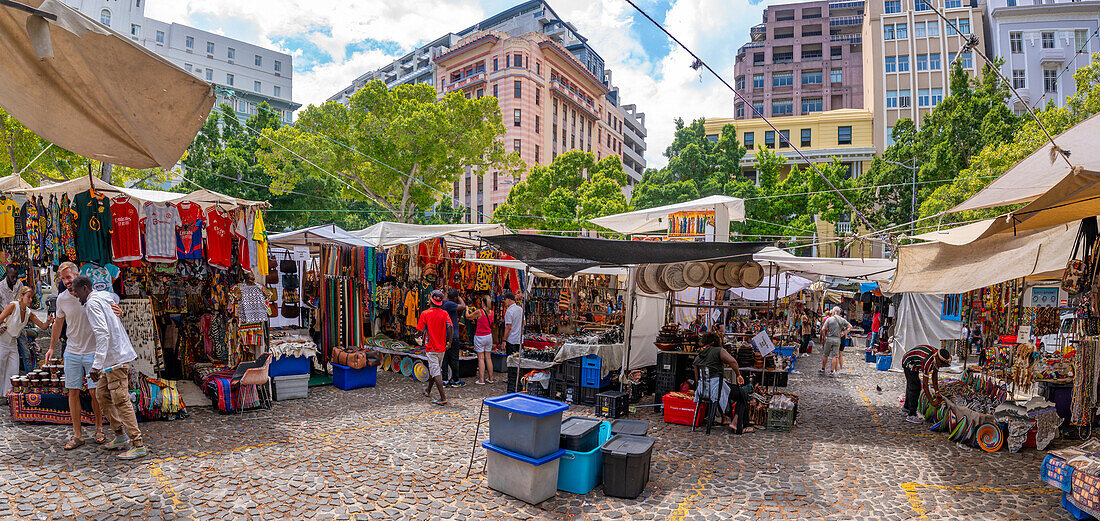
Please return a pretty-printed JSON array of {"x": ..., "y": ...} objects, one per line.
[{"x": 550, "y": 103}]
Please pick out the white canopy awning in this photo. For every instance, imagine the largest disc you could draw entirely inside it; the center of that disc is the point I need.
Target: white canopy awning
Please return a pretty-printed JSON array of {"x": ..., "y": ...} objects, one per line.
[
  {"x": 654, "y": 219},
  {"x": 12, "y": 182},
  {"x": 390, "y": 234},
  {"x": 314, "y": 236},
  {"x": 868, "y": 269},
  {"x": 774, "y": 287},
  {"x": 520, "y": 265},
  {"x": 95, "y": 92},
  {"x": 72, "y": 187}
]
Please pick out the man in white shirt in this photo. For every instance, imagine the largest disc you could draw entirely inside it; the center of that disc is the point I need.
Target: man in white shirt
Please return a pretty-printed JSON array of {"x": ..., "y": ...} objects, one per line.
[
  {"x": 513, "y": 324},
  {"x": 111, "y": 368},
  {"x": 10, "y": 288},
  {"x": 79, "y": 354}
]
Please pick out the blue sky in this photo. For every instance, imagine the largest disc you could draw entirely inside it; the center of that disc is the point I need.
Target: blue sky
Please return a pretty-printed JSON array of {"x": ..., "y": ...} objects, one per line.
[{"x": 334, "y": 42}]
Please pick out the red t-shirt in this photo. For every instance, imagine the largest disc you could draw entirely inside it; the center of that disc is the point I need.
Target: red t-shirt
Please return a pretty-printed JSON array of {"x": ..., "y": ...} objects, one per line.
[
  {"x": 219, "y": 248},
  {"x": 876, "y": 322},
  {"x": 436, "y": 321},
  {"x": 189, "y": 233},
  {"x": 125, "y": 230}
]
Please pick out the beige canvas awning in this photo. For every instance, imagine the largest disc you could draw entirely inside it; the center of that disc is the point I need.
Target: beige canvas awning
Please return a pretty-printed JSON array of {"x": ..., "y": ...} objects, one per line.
[
  {"x": 944, "y": 267},
  {"x": 205, "y": 198},
  {"x": 388, "y": 234},
  {"x": 94, "y": 92}
]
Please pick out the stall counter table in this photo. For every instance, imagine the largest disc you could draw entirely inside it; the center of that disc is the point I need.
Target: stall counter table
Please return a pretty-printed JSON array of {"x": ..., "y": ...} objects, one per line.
[
  {"x": 610, "y": 354},
  {"x": 49, "y": 405}
]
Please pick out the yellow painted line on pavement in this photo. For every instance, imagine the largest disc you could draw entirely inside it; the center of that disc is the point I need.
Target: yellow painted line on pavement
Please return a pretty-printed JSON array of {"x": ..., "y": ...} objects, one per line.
[
  {"x": 918, "y": 507},
  {"x": 166, "y": 485},
  {"x": 696, "y": 491},
  {"x": 870, "y": 408}
]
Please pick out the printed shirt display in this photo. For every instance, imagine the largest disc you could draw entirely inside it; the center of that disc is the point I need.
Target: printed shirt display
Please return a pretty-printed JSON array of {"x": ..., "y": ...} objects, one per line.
[
  {"x": 7, "y": 217},
  {"x": 125, "y": 230},
  {"x": 189, "y": 232},
  {"x": 34, "y": 240},
  {"x": 219, "y": 240},
  {"x": 53, "y": 231},
  {"x": 242, "y": 232},
  {"x": 259, "y": 234},
  {"x": 93, "y": 227},
  {"x": 102, "y": 276},
  {"x": 68, "y": 229},
  {"x": 161, "y": 221}
]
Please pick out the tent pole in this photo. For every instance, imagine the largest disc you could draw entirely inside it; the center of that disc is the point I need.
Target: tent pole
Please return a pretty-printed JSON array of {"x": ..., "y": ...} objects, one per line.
[{"x": 628, "y": 322}]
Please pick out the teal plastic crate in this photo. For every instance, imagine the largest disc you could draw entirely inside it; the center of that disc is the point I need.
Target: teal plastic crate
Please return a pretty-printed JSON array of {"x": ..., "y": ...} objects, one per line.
[{"x": 580, "y": 472}]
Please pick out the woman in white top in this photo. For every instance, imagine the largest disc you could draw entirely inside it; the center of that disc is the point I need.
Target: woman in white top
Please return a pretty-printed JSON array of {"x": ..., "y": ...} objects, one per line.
[{"x": 12, "y": 321}]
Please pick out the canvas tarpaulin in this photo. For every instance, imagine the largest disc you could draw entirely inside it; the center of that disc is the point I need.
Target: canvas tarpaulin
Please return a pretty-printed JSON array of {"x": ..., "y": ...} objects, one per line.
[
  {"x": 94, "y": 92},
  {"x": 869, "y": 269},
  {"x": 563, "y": 256},
  {"x": 945, "y": 267},
  {"x": 389, "y": 234},
  {"x": 649, "y": 316},
  {"x": 204, "y": 198},
  {"x": 774, "y": 287},
  {"x": 654, "y": 219},
  {"x": 314, "y": 236},
  {"x": 919, "y": 322}
]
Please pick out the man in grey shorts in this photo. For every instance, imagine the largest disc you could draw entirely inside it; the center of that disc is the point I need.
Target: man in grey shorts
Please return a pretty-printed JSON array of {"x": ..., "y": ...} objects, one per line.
[{"x": 835, "y": 328}]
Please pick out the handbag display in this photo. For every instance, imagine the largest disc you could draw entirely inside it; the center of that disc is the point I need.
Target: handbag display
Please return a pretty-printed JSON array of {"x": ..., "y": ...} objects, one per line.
[
  {"x": 290, "y": 281},
  {"x": 290, "y": 296},
  {"x": 287, "y": 265},
  {"x": 1074, "y": 276},
  {"x": 272, "y": 270},
  {"x": 291, "y": 310}
]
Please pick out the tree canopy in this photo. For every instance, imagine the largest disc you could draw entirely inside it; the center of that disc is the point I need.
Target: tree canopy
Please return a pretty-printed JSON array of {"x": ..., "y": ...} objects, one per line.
[{"x": 697, "y": 167}]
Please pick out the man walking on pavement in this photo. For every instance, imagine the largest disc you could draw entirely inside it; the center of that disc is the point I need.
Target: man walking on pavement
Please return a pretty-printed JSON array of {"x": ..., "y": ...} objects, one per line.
[
  {"x": 834, "y": 330},
  {"x": 111, "y": 369},
  {"x": 513, "y": 324},
  {"x": 438, "y": 331}
]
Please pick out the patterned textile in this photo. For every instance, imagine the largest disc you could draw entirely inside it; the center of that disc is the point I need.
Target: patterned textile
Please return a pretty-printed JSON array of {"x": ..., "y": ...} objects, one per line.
[
  {"x": 398, "y": 262},
  {"x": 431, "y": 255},
  {"x": 1084, "y": 369},
  {"x": 137, "y": 319},
  {"x": 68, "y": 229},
  {"x": 34, "y": 240},
  {"x": 1056, "y": 472},
  {"x": 251, "y": 303},
  {"x": 486, "y": 274},
  {"x": 53, "y": 232},
  {"x": 48, "y": 407},
  {"x": 1085, "y": 493}
]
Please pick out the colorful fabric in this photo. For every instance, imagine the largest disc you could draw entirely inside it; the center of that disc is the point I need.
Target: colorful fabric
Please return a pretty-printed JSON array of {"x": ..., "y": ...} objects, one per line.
[
  {"x": 161, "y": 221},
  {"x": 1056, "y": 472},
  {"x": 125, "y": 230},
  {"x": 918, "y": 358},
  {"x": 34, "y": 240},
  {"x": 102, "y": 276},
  {"x": 93, "y": 227},
  {"x": 51, "y": 406},
  {"x": 189, "y": 231},
  {"x": 67, "y": 237},
  {"x": 219, "y": 238},
  {"x": 8, "y": 209},
  {"x": 486, "y": 273},
  {"x": 1084, "y": 369},
  {"x": 1085, "y": 493},
  {"x": 53, "y": 232},
  {"x": 251, "y": 303}
]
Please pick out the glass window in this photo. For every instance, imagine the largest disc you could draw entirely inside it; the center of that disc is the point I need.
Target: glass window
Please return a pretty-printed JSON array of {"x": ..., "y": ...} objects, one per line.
[
  {"x": 836, "y": 52},
  {"x": 189, "y": 42},
  {"x": 1080, "y": 39},
  {"x": 782, "y": 79},
  {"x": 933, "y": 28},
  {"x": 812, "y": 105},
  {"x": 160, "y": 36},
  {"x": 888, "y": 32},
  {"x": 891, "y": 99},
  {"x": 836, "y": 75},
  {"x": 209, "y": 47},
  {"x": 278, "y": 66},
  {"x": 105, "y": 17},
  {"x": 758, "y": 81},
  {"x": 922, "y": 5},
  {"x": 1012, "y": 3},
  {"x": 964, "y": 25},
  {"x": 739, "y": 83},
  {"x": 517, "y": 89},
  {"x": 1050, "y": 80},
  {"x": 934, "y": 62},
  {"x": 769, "y": 138},
  {"x": 937, "y": 96},
  {"x": 782, "y": 107},
  {"x": 515, "y": 118},
  {"x": 905, "y": 99},
  {"x": 922, "y": 62},
  {"x": 739, "y": 110},
  {"x": 889, "y": 136},
  {"x": 967, "y": 60},
  {"x": 891, "y": 63},
  {"x": 258, "y": 61},
  {"x": 277, "y": 91},
  {"x": 844, "y": 135},
  {"x": 902, "y": 31},
  {"x": 952, "y": 3},
  {"x": 811, "y": 77},
  {"x": 1016, "y": 42},
  {"x": 805, "y": 141},
  {"x": 1048, "y": 40},
  {"x": 919, "y": 30},
  {"x": 785, "y": 139},
  {"x": 750, "y": 140},
  {"x": 538, "y": 96},
  {"x": 949, "y": 28},
  {"x": 758, "y": 108},
  {"x": 496, "y": 62},
  {"x": 229, "y": 79},
  {"x": 256, "y": 86},
  {"x": 187, "y": 66},
  {"x": 231, "y": 53},
  {"x": 1018, "y": 79},
  {"x": 210, "y": 75},
  {"x": 893, "y": 6},
  {"x": 923, "y": 97},
  {"x": 517, "y": 146},
  {"x": 495, "y": 92},
  {"x": 903, "y": 64}
]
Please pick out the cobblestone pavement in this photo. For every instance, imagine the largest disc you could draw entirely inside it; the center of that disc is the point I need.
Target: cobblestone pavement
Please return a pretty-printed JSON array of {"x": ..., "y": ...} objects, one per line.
[{"x": 388, "y": 453}]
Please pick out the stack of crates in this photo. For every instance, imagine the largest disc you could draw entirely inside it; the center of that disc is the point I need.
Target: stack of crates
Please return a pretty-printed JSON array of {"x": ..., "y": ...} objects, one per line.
[
  {"x": 566, "y": 378},
  {"x": 590, "y": 382},
  {"x": 672, "y": 369},
  {"x": 513, "y": 379}
]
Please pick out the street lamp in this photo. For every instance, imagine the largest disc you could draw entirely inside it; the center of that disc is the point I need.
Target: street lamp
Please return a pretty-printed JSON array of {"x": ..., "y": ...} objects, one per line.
[{"x": 913, "y": 204}]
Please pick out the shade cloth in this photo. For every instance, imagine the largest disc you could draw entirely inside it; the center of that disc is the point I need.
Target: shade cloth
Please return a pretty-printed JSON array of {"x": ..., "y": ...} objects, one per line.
[
  {"x": 653, "y": 219},
  {"x": 774, "y": 287},
  {"x": 389, "y": 234},
  {"x": 942, "y": 267},
  {"x": 94, "y": 92},
  {"x": 314, "y": 236},
  {"x": 204, "y": 198},
  {"x": 1036, "y": 174},
  {"x": 563, "y": 256},
  {"x": 610, "y": 354},
  {"x": 919, "y": 323},
  {"x": 870, "y": 269},
  {"x": 12, "y": 182},
  {"x": 522, "y": 266}
]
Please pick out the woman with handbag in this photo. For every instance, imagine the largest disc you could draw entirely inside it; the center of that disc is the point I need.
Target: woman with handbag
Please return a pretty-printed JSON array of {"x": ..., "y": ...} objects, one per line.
[{"x": 482, "y": 315}]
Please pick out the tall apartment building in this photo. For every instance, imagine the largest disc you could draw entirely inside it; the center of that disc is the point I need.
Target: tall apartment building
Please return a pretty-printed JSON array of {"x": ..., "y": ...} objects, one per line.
[
  {"x": 907, "y": 63},
  {"x": 551, "y": 102},
  {"x": 533, "y": 16},
  {"x": 804, "y": 58},
  {"x": 1039, "y": 41},
  {"x": 245, "y": 75}
]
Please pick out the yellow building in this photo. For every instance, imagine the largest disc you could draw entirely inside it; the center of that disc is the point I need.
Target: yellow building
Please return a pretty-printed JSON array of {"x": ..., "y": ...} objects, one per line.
[
  {"x": 845, "y": 134},
  {"x": 851, "y": 247}
]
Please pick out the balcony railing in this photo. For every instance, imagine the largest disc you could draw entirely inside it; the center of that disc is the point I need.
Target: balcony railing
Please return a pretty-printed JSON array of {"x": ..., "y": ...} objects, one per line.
[
  {"x": 787, "y": 57},
  {"x": 843, "y": 21},
  {"x": 844, "y": 228},
  {"x": 558, "y": 86},
  {"x": 811, "y": 55},
  {"x": 850, "y": 38},
  {"x": 846, "y": 5},
  {"x": 465, "y": 82}
]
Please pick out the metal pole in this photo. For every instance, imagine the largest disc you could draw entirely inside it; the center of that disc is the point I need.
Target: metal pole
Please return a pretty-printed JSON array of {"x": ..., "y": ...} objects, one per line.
[{"x": 913, "y": 205}]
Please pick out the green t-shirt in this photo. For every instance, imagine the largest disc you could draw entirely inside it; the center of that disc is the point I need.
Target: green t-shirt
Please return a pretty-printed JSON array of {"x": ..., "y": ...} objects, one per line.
[{"x": 93, "y": 228}]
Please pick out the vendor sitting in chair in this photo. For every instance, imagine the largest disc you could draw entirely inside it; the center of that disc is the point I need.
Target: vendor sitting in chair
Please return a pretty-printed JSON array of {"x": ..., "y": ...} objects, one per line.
[{"x": 712, "y": 358}]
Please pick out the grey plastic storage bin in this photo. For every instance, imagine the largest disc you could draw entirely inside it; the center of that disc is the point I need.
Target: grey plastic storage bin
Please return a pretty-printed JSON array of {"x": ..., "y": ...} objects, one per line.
[
  {"x": 532, "y": 480},
  {"x": 631, "y": 427},
  {"x": 626, "y": 462},
  {"x": 526, "y": 425},
  {"x": 580, "y": 434},
  {"x": 290, "y": 387}
]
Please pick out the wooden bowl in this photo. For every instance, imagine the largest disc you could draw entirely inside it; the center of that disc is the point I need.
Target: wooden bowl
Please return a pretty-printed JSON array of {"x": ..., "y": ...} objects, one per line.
[{"x": 667, "y": 347}]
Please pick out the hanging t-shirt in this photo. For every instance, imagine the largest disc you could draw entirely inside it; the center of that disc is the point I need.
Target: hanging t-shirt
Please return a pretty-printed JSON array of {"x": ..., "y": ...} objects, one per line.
[
  {"x": 242, "y": 231},
  {"x": 411, "y": 308},
  {"x": 67, "y": 218},
  {"x": 189, "y": 233},
  {"x": 259, "y": 234},
  {"x": 7, "y": 217},
  {"x": 53, "y": 232},
  {"x": 219, "y": 245},
  {"x": 34, "y": 243},
  {"x": 102, "y": 276},
  {"x": 125, "y": 230},
  {"x": 93, "y": 227},
  {"x": 161, "y": 221}
]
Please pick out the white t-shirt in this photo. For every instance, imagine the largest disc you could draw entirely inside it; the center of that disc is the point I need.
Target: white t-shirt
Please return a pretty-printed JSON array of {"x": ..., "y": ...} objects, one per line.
[
  {"x": 9, "y": 295},
  {"x": 161, "y": 221},
  {"x": 78, "y": 329},
  {"x": 514, "y": 316}
]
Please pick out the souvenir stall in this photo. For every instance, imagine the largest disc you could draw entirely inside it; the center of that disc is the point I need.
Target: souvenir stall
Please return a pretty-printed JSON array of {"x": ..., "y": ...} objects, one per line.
[{"x": 184, "y": 267}]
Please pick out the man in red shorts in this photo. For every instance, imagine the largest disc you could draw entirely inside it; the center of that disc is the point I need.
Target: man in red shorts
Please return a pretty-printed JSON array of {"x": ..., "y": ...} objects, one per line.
[{"x": 435, "y": 324}]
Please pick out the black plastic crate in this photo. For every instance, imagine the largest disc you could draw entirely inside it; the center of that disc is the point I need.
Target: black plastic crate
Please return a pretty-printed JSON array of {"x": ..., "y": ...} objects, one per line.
[
  {"x": 611, "y": 404},
  {"x": 669, "y": 363},
  {"x": 586, "y": 395},
  {"x": 513, "y": 379},
  {"x": 569, "y": 371},
  {"x": 775, "y": 378},
  {"x": 635, "y": 392},
  {"x": 536, "y": 389}
]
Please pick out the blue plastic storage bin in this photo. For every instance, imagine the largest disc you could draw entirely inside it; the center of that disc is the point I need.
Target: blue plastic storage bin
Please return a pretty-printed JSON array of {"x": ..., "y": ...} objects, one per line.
[
  {"x": 525, "y": 424},
  {"x": 869, "y": 356},
  {"x": 1077, "y": 513},
  {"x": 346, "y": 378},
  {"x": 785, "y": 350},
  {"x": 289, "y": 365},
  {"x": 884, "y": 362},
  {"x": 580, "y": 472},
  {"x": 591, "y": 366}
]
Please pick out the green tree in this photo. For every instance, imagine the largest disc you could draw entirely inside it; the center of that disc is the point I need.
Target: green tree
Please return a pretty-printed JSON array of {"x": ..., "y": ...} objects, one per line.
[
  {"x": 565, "y": 194},
  {"x": 697, "y": 167},
  {"x": 399, "y": 148}
]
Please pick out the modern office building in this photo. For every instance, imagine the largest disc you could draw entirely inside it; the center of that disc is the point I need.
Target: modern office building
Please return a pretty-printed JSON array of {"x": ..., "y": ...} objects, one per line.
[
  {"x": 908, "y": 58},
  {"x": 1043, "y": 44},
  {"x": 804, "y": 58},
  {"x": 551, "y": 102},
  {"x": 844, "y": 134},
  {"x": 244, "y": 75},
  {"x": 534, "y": 16}
]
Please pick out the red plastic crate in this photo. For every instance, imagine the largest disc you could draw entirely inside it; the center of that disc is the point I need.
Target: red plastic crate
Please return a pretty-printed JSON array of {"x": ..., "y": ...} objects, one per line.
[{"x": 680, "y": 410}]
